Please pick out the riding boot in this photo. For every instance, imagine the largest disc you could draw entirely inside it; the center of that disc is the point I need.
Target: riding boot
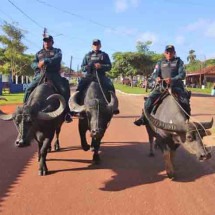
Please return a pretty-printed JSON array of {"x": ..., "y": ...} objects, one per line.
[{"x": 142, "y": 120}]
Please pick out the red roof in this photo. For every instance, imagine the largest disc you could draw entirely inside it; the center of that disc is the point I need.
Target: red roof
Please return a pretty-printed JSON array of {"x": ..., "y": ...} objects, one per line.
[{"x": 210, "y": 70}]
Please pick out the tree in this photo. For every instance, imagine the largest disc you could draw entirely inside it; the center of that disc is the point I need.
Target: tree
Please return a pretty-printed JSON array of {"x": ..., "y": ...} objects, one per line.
[
  {"x": 143, "y": 47},
  {"x": 191, "y": 57},
  {"x": 15, "y": 60}
]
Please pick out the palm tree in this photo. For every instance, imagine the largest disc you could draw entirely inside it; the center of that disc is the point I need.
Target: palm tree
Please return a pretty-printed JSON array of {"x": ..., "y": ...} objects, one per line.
[{"x": 191, "y": 57}]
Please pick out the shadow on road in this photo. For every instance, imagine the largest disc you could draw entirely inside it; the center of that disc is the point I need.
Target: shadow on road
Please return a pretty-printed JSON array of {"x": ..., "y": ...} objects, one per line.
[
  {"x": 13, "y": 160},
  {"x": 133, "y": 167}
]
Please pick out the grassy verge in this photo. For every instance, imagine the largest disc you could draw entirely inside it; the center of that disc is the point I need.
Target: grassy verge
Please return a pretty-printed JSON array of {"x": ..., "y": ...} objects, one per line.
[
  {"x": 137, "y": 90},
  {"x": 130, "y": 90},
  {"x": 16, "y": 98},
  {"x": 199, "y": 90}
]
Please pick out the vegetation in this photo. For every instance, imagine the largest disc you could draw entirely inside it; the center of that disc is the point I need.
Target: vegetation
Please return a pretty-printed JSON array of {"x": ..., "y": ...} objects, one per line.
[
  {"x": 13, "y": 60},
  {"x": 16, "y": 98},
  {"x": 130, "y": 90}
]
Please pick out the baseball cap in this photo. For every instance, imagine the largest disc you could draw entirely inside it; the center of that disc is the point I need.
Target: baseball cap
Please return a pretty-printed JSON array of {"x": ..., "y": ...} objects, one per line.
[
  {"x": 171, "y": 47},
  {"x": 48, "y": 38},
  {"x": 96, "y": 41}
]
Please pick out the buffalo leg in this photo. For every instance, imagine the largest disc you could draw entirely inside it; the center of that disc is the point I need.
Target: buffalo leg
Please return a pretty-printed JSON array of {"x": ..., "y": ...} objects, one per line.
[
  {"x": 82, "y": 131},
  {"x": 168, "y": 164},
  {"x": 95, "y": 145},
  {"x": 57, "y": 143},
  {"x": 43, "y": 170}
]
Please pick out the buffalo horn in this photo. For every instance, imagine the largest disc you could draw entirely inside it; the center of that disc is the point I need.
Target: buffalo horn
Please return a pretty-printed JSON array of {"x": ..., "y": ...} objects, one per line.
[
  {"x": 73, "y": 104},
  {"x": 164, "y": 125},
  {"x": 55, "y": 113}
]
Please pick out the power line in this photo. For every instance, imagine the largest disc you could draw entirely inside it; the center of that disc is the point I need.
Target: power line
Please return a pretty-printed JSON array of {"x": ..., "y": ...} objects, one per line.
[{"x": 26, "y": 14}]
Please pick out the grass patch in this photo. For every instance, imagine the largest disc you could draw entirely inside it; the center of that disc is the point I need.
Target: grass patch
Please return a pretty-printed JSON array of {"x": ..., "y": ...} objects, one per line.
[
  {"x": 138, "y": 90},
  {"x": 130, "y": 90},
  {"x": 15, "y": 98},
  {"x": 199, "y": 90}
]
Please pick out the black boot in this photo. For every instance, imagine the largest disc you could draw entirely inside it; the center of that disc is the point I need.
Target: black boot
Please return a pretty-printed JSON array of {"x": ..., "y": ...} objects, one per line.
[{"x": 141, "y": 121}]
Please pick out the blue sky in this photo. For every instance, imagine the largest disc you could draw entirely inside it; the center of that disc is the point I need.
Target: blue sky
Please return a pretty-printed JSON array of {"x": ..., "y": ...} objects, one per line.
[{"x": 119, "y": 24}]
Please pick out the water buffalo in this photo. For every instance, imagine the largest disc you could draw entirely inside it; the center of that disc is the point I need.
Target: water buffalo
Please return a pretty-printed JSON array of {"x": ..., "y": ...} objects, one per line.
[
  {"x": 96, "y": 109},
  {"x": 40, "y": 118},
  {"x": 170, "y": 127}
]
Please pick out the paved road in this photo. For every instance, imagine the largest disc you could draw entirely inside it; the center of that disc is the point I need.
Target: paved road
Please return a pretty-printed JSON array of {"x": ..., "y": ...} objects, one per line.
[{"x": 126, "y": 182}]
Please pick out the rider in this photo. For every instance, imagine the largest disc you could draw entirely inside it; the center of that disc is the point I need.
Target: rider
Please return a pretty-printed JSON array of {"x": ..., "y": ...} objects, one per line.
[
  {"x": 96, "y": 63},
  {"x": 48, "y": 61},
  {"x": 171, "y": 70}
]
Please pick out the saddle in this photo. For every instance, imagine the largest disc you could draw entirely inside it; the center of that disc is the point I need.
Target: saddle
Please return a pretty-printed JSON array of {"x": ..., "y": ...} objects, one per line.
[{"x": 179, "y": 98}]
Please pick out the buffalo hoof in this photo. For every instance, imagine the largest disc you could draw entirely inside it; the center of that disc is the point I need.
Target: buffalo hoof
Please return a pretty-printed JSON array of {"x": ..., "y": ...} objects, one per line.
[
  {"x": 171, "y": 176},
  {"x": 49, "y": 149},
  {"x": 20, "y": 145},
  {"x": 85, "y": 147},
  {"x": 56, "y": 148},
  {"x": 151, "y": 154},
  {"x": 43, "y": 172},
  {"x": 96, "y": 159}
]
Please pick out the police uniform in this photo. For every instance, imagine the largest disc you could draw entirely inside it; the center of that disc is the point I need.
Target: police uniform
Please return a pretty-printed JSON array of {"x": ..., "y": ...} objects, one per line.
[
  {"x": 175, "y": 70},
  {"x": 88, "y": 67},
  {"x": 52, "y": 60}
]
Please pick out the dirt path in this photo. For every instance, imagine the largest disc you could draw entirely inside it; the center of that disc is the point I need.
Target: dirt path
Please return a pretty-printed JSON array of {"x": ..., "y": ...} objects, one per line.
[{"x": 126, "y": 182}]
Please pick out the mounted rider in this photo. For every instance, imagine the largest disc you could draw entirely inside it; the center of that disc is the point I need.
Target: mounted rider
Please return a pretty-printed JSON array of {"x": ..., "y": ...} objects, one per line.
[
  {"x": 171, "y": 71},
  {"x": 95, "y": 64},
  {"x": 47, "y": 65}
]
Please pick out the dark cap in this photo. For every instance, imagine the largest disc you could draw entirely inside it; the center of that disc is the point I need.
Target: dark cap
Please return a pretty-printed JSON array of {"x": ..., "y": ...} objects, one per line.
[
  {"x": 96, "y": 41},
  {"x": 170, "y": 47},
  {"x": 48, "y": 38}
]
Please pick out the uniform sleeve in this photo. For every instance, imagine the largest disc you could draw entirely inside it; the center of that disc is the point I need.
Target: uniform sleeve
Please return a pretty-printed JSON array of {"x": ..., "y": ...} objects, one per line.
[
  {"x": 55, "y": 60},
  {"x": 106, "y": 64},
  {"x": 35, "y": 63},
  {"x": 181, "y": 71},
  {"x": 157, "y": 71},
  {"x": 84, "y": 63}
]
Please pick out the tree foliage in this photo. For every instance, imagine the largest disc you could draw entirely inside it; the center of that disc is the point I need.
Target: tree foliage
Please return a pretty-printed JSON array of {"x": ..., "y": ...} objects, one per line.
[
  {"x": 191, "y": 58},
  {"x": 12, "y": 57}
]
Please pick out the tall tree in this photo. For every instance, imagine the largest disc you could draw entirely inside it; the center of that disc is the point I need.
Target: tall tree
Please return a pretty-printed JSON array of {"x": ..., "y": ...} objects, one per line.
[
  {"x": 191, "y": 58},
  {"x": 144, "y": 47},
  {"x": 14, "y": 48}
]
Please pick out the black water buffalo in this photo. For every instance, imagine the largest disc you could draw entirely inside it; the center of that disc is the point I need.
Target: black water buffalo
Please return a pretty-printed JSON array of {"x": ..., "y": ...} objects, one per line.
[
  {"x": 96, "y": 108},
  {"x": 170, "y": 127},
  {"x": 40, "y": 118}
]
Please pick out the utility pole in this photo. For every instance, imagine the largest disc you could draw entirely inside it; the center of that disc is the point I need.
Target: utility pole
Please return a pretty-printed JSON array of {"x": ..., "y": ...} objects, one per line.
[{"x": 71, "y": 65}]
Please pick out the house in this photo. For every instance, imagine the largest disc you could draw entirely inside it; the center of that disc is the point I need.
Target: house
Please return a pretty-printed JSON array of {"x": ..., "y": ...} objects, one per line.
[{"x": 201, "y": 77}]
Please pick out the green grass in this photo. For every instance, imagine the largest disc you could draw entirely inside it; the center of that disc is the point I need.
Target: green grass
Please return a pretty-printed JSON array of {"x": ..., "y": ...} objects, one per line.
[
  {"x": 137, "y": 90},
  {"x": 199, "y": 90},
  {"x": 16, "y": 98},
  {"x": 130, "y": 90}
]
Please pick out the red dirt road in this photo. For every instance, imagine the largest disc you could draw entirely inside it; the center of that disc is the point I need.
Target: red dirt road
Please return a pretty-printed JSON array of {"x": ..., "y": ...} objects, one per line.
[{"x": 126, "y": 182}]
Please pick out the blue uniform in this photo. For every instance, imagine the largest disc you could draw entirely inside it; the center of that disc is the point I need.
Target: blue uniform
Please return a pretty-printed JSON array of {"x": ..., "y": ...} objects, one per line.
[
  {"x": 52, "y": 60},
  {"x": 88, "y": 66},
  {"x": 173, "y": 69}
]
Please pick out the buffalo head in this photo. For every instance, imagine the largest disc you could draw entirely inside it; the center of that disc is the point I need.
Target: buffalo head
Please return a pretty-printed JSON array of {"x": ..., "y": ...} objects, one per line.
[
  {"x": 189, "y": 133},
  {"x": 98, "y": 112},
  {"x": 28, "y": 117}
]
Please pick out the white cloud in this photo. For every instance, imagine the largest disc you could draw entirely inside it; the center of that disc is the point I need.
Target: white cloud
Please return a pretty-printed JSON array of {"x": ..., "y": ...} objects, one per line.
[
  {"x": 210, "y": 30},
  {"x": 180, "y": 40},
  {"x": 123, "y": 5},
  {"x": 145, "y": 36},
  {"x": 198, "y": 25}
]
